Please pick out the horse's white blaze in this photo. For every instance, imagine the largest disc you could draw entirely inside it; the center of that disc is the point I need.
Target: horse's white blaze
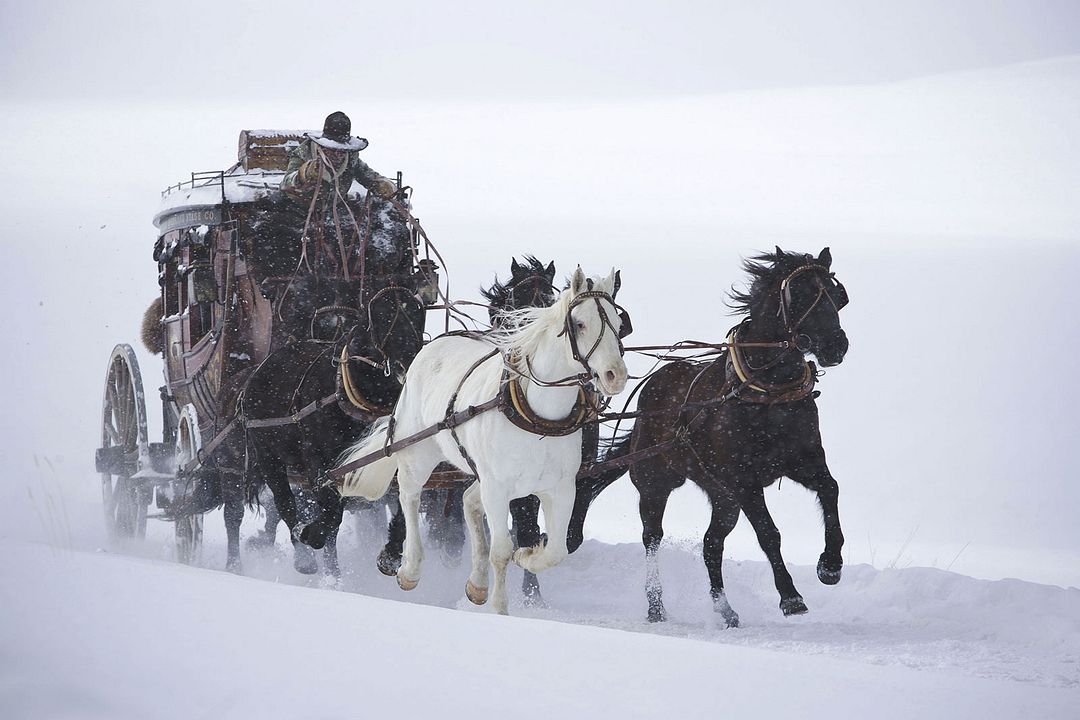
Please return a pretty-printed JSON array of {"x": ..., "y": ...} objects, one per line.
[{"x": 511, "y": 462}]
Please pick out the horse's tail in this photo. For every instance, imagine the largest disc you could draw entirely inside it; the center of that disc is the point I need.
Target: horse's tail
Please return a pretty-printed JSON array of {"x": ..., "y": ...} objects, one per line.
[{"x": 370, "y": 481}]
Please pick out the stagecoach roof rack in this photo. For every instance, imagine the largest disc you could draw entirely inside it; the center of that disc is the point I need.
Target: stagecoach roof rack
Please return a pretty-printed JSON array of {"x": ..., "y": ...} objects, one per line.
[
  {"x": 213, "y": 189},
  {"x": 201, "y": 179}
]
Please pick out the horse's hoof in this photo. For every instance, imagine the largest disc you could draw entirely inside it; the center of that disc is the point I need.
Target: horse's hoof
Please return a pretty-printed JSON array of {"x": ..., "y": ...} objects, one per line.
[
  {"x": 405, "y": 583},
  {"x": 234, "y": 567},
  {"x": 314, "y": 535},
  {"x": 793, "y": 606},
  {"x": 828, "y": 575},
  {"x": 657, "y": 614},
  {"x": 476, "y": 595},
  {"x": 573, "y": 542},
  {"x": 305, "y": 567},
  {"x": 304, "y": 560},
  {"x": 721, "y": 606},
  {"x": 530, "y": 591},
  {"x": 388, "y": 564}
]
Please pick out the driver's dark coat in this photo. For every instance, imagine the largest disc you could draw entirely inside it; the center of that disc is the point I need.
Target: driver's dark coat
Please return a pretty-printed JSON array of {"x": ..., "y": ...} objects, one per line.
[{"x": 355, "y": 169}]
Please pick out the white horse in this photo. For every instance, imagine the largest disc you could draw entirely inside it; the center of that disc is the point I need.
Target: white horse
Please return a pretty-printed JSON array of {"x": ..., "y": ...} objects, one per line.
[{"x": 577, "y": 337}]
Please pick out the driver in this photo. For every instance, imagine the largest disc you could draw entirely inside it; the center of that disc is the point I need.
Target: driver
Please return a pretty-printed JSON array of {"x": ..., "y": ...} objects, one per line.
[{"x": 333, "y": 156}]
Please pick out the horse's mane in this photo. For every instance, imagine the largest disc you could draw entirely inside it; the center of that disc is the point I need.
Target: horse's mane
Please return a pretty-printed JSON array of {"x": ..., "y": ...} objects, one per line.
[
  {"x": 499, "y": 293},
  {"x": 765, "y": 271},
  {"x": 519, "y": 332}
]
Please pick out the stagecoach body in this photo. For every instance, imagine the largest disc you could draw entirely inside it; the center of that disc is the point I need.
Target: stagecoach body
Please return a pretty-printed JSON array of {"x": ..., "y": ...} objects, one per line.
[{"x": 232, "y": 271}]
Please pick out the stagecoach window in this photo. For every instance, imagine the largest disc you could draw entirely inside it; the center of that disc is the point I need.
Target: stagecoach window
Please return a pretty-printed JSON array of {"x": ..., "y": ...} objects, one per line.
[{"x": 198, "y": 288}]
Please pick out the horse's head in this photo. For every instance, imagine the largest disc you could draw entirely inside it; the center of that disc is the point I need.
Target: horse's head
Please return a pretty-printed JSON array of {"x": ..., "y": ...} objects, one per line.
[
  {"x": 395, "y": 329},
  {"x": 799, "y": 296},
  {"x": 530, "y": 285},
  {"x": 595, "y": 327}
]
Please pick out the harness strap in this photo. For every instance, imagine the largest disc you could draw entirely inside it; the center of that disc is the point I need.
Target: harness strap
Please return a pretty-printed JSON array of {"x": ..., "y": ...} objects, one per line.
[
  {"x": 461, "y": 416},
  {"x": 296, "y": 417},
  {"x": 450, "y": 410}
]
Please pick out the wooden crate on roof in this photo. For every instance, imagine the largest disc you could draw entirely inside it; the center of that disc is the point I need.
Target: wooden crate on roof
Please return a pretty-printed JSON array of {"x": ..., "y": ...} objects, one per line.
[{"x": 267, "y": 149}]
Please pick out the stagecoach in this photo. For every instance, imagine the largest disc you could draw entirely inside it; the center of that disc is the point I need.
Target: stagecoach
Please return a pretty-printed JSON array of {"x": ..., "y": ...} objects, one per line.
[
  {"x": 242, "y": 274},
  {"x": 257, "y": 286}
]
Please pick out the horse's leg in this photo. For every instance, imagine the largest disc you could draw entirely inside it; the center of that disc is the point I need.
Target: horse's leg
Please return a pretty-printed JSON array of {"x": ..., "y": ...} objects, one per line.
[
  {"x": 476, "y": 587},
  {"x": 453, "y": 535},
  {"x": 389, "y": 559},
  {"x": 232, "y": 493},
  {"x": 815, "y": 476},
  {"x": 411, "y": 478},
  {"x": 408, "y": 575},
  {"x": 331, "y": 568},
  {"x": 525, "y": 512},
  {"x": 285, "y": 502},
  {"x": 654, "y": 489},
  {"x": 267, "y": 536},
  {"x": 497, "y": 509},
  {"x": 725, "y": 514},
  {"x": 768, "y": 535},
  {"x": 557, "y": 508},
  {"x": 328, "y": 506},
  {"x": 273, "y": 517}
]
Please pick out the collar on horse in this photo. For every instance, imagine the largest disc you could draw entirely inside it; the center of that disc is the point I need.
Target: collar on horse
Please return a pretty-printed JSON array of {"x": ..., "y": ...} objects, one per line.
[
  {"x": 357, "y": 406},
  {"x": 515, "y": 407},
  {"x": 741, "y": 376}
]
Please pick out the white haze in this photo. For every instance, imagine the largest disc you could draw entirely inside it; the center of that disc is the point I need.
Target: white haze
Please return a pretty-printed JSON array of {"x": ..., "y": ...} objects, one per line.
[{"x": 931, "y": 145}]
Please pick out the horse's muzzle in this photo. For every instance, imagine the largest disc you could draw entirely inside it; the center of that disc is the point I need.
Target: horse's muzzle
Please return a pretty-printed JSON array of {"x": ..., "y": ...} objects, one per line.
[{"x": 831, "y": 350}]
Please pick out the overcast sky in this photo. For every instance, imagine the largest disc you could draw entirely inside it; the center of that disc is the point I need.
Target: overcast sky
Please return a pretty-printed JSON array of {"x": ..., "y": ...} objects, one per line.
[{"x": 276, "y": 50}]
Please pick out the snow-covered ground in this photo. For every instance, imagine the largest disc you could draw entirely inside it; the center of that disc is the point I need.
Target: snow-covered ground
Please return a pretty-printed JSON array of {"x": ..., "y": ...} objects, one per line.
[
  {"x": 104, "y": 634},
  {"x": 951, "y": 205}
]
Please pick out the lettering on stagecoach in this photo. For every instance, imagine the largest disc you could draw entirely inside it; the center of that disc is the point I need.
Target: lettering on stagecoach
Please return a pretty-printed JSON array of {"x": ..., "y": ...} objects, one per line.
[{"x": 189, "y": 218}]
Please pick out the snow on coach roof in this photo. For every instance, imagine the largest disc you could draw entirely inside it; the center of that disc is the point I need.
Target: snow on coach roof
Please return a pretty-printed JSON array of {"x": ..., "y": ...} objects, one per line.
[{"x": 261, "y": 161}]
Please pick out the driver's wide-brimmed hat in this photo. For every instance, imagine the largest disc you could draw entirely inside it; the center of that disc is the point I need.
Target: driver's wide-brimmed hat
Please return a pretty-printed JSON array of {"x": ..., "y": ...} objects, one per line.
[{"x": 337, "y": 134}]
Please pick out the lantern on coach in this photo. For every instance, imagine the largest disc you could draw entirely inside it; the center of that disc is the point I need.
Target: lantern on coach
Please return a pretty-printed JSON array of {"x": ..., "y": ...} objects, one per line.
[{"x": 427, "y": 281}]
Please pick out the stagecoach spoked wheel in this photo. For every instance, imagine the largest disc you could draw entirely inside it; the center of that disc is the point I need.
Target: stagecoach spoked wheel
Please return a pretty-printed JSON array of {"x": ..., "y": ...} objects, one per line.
[
  {"x": 189, "y": 525},
  {"x": 124, "y": 446}
]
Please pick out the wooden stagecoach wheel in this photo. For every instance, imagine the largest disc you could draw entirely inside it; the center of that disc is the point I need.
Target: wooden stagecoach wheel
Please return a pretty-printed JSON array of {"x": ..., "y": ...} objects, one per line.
[
  {"x": 124, "y": 446},
  {"x": 189, "y": 525}
]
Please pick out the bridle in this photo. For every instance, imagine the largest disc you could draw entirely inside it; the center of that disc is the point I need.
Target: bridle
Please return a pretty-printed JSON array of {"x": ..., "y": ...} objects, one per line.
[
  {"x": 785, "y": 310},
  {"x": 624, "y": 329},
  {"x": 796, "y": 341},
  {"x": 379, "y": 343},
  {"x": 540, "y": 287}
]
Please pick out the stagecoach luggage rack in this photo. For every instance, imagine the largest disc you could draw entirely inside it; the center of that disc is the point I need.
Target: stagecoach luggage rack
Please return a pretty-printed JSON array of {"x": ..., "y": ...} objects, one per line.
[{"x": 200, "y": 179}]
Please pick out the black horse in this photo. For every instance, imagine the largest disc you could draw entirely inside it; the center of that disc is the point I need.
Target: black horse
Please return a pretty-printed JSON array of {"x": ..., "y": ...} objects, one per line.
[
  {"x": 348, "y": 337},
  {"x": 530, "y": 285},
  {"x": 348, "y": 383},
  {"x": 736, "y": 425}
]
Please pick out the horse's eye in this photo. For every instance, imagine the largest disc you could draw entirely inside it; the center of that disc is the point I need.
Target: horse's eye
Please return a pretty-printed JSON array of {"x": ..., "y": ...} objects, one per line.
[{"x": 580, "y": 325}]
